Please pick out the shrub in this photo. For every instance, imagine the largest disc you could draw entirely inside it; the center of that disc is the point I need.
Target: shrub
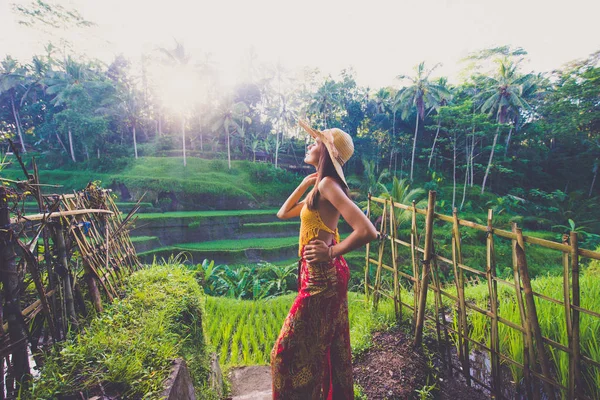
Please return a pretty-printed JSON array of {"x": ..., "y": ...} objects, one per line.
[{"x": 129, "y": 348}]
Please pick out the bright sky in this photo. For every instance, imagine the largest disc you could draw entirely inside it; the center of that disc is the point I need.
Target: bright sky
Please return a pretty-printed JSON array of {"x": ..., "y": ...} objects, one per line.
[{"x": 379, "y": 39}]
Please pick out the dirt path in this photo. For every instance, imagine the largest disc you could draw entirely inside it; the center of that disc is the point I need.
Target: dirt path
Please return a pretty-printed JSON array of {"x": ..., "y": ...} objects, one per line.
[
  {"x": 251, "y": 383},
  {"x": 391, "y": 369}
]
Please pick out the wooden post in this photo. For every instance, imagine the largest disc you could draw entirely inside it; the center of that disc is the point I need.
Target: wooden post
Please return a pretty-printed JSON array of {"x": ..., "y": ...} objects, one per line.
[
  {"x": 532, "y": 314},
  {"x": 528, "y": 352},
  {"x": 569, "y": 323},
  {"x": 12, "y": 309},
  {"x": 368, "y": 245},
  {"x": 59, "y": 241},
  {"x": 414, "y": 240},
  {"x": 459, "y": 280},
  {"x": 575, "y": 364},
  {"x": 493, "y": 291},
  {"x": 382, "y": 239},
  {"x": 397, "y": 297},
  {"x": 426, "y": 269}
]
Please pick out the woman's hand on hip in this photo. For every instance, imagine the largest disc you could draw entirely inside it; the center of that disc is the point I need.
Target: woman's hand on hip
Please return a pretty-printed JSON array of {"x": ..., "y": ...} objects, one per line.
[{"x": 316, "y": 251}]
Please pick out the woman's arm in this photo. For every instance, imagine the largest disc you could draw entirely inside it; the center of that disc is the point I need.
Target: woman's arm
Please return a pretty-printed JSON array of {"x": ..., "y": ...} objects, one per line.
[
  {"x": 363, "y": 230},
  {"x": 291, "y": 208}
]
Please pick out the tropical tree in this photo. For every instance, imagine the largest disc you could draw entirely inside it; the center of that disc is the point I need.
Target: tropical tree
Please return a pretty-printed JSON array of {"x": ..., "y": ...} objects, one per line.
[
  {"x": 445, "y": 96},
  {"x": 76, "y": 89},
  {"x": 228, "y": 119},
  {"x": 504, "y": 95},
  {"x": 420, "y": 95},
  {"x": 402, "y": 193},
  {"x": 12, "y": 78}
]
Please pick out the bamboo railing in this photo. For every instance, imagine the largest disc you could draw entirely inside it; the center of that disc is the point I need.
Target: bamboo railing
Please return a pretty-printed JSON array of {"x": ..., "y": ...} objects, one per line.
[
  {"x": 44, "y": 258},
  {"x": 539, "y": 376}
]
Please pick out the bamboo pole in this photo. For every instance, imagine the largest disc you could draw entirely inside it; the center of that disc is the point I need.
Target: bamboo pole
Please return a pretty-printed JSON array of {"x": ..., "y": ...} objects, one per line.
[
  {"x": 569, "y": 324},
  {"x": 59, "y": 241},
  {"x": 532, "y": 314},
  {"x": 368, "y": 246},
  {"x": 426, "y": 269},
  {"x": 493, "y": 292},
  {"x": 382, "y": 240},
  {"x": 576, "y": 360},
  {"x": 413, "y": 251},
  {"x": 394, "y": 246},
  {"x": 459, "y": 279},
  {"x": 528, "y": 350},
  {"x": 502, "y": 233},
  {"x": 12, "y": 307}
]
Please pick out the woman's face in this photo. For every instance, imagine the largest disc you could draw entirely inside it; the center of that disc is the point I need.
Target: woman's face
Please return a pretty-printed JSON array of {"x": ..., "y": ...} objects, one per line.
[{"x": 313, "y": 153}]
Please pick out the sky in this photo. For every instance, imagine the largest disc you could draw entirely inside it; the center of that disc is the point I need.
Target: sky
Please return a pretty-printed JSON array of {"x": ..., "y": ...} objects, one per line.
[{"x": 378, "y": 39}]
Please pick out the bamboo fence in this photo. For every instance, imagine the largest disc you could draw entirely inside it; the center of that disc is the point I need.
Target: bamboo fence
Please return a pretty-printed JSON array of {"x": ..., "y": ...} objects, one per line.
[
  {"x": 44, "y": 258},
  {"x": 539, "y": 377}
]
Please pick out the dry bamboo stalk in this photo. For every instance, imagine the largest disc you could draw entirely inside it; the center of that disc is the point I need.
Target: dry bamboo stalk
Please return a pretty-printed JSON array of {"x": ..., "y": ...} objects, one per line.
[
  {"x": 380, "y": 258},
  {"x": 368, "y": 246},
  {"x": 394, "y": 246},
  {"x": 532, "y": 314},
  {"x": 493, "y": 293},
  {"x": 576, "y": 360},
  {"x": 459, "y": 279},
  {"x": 425, "y": 274},
  {"x": 413, "y": 243},
  {"x": 504, "y": 234},
  {"x": 567, "y": 304},
  {"x": 528, "y": 351}
]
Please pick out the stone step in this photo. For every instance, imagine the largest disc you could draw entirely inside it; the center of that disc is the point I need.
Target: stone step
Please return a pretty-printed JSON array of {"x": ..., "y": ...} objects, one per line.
[{"x": 251, "y": 383}]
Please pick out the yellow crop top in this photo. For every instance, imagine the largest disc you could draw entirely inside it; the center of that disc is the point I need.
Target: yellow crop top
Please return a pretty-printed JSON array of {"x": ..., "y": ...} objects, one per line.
[{"x": 310, "y": 225}]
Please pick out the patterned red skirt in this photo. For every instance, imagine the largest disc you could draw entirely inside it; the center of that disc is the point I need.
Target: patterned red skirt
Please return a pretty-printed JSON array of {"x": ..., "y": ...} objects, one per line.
[{"x": 311, "y": 358}]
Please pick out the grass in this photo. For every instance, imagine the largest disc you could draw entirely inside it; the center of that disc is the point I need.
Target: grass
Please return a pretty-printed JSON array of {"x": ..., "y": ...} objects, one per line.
[
  {"x": 129, "y": 348},
  {"x": 137, "y": 239},
  {"x": 202, "y": 183},
  {"x": 205, "y": 214},
  {"x": 243, "y": 332}
]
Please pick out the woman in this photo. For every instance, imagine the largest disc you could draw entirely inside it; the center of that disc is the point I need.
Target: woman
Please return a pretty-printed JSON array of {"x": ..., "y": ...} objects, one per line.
[{"x": 311, "y": 358}]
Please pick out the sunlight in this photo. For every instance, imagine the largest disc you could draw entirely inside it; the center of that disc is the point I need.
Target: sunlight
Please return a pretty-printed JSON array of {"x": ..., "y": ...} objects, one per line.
[{"x": 180, "y": 88}]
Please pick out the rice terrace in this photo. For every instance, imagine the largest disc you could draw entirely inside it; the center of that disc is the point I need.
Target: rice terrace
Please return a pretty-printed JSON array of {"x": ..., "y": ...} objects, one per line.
[{"x": 157, "y": 183}]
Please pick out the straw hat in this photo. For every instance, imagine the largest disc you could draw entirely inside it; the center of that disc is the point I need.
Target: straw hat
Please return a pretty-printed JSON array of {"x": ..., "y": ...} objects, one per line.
[{"x": 338, "y": 143}]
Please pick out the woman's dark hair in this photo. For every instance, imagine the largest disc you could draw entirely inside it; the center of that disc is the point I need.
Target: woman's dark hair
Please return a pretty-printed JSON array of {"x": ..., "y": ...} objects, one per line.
[{"x": 325, "y": 168}]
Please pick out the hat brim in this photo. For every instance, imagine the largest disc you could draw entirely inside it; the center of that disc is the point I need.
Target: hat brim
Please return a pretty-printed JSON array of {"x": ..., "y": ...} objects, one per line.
[{"x": 319, "y": 135}]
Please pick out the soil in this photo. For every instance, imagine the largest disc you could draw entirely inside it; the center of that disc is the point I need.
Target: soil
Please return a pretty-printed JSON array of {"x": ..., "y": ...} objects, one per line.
[{"x": 393, "y": 369}]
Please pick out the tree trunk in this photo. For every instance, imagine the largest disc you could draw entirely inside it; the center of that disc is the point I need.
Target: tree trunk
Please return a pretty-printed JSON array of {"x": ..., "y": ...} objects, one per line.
[
  {"x": 487, "y": 170},
  {"x": 71, "y": 146},
  {"x": 412, "y": 162},
  {"x": 61, "y": 142},
  {"x": 434, "y": 141},
  {"x": 183, "y": 139},
  {"x": 200, "y": 130},
  {"x": 134, "y": 143},
  {"x": 594, "y": 179},
  {"x": 10, "y": 282},
  {"x": 59, "y": 239},
  {"x": 454, "y": 172},
  {"x": 276, "y": 148},
  {"x": 228, "y": 146},
  {"x": 508, "y": 141},
  {"x": 18, "y": 123}
]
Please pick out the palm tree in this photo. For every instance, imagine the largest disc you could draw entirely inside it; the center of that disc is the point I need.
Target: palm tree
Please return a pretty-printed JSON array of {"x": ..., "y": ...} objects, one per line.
[
  {"x": 179, "y": 60},
  {"x": 402, "y": 193},
  {"x": 422, "y": 94},
  {"x": 62, "y": 84},
  {"x": 228, "y": 116},
  {"x": 12, "y": 77},
  {"x": 505, "y": 95},
  {"x": 444, "y": 98},
  {"x": 325, "y": 101}
]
